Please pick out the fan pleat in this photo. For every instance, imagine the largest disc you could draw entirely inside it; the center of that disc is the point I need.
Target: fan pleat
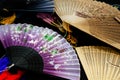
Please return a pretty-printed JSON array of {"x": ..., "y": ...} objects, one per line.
[
  {"x": 101, "y": 63},
  {"x": 93, "y": 17},
  {"x": 59, "y": 57},
  {"x": 67, "y": 74}
]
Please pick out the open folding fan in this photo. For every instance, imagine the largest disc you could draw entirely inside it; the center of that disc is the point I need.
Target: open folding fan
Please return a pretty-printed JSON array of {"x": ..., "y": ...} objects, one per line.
[
  {"x": 40, "y": 49},
  {"x": 29, "y": 5},
  {"x": 100, "y": 63},
  {"x": 95, "y": 18}
]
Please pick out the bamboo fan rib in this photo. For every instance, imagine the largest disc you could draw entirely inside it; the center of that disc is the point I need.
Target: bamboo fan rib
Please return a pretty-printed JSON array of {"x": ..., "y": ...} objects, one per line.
[
  {"x": 118, "y": 18},
  {"x": 92, "y": 9},
  {"x": 100, "y": 63},
  {"x": 95, "y": 18}
]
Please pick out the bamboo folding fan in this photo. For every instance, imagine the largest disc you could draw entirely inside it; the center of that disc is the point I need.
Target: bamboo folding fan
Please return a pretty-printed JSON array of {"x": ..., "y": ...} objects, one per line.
[
  {"x": 95, "y": 18},
  {"x": 100, "y": 63},
  {"x": 40, "y": 49},
  {"x": 29, "y": 5}
]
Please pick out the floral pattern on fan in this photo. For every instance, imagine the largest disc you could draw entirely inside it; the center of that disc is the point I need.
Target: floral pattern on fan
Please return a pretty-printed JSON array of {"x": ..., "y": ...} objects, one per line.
[{"x": 58, "y": 55}]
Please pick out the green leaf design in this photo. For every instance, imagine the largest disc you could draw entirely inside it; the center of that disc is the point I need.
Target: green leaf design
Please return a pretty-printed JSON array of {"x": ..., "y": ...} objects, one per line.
[
  {"x": 43, "y": 49},
  {"x": 25, "y": 30},
  {"x": 31, "y": 26},
  {"x": 28, "y": 28},
  {"x": 53, "y": 52},
  {"x": 18, "y": 28},
  {"x": 48, "y": 37}
]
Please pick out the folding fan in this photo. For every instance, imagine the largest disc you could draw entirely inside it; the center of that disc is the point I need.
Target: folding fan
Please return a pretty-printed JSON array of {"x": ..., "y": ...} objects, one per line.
[
  {"x": 100, "y": 63},
  {"x": 7, "y": 17},
  {"x": 29, "y": 5},
  {"x": 6, "y": 75},
  {"x": 4, "y": 62},
  {"x": 95, "y": 18},
  {"x": 40, "y": 50}
]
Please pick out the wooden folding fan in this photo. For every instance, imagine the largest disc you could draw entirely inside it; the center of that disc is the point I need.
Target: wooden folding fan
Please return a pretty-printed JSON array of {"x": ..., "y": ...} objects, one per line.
[
  {"x": 95, "y": 18},
  {"x": 100, "y": 63}
]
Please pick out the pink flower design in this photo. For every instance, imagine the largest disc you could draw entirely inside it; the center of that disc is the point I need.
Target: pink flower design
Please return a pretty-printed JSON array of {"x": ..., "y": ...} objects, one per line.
[{"x": 46, "y": 17}]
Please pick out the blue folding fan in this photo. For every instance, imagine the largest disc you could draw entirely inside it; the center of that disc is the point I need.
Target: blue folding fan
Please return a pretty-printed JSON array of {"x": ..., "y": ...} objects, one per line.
[
  {"x": 4, "y": 62},
  {"x": 29, "y": 5}
]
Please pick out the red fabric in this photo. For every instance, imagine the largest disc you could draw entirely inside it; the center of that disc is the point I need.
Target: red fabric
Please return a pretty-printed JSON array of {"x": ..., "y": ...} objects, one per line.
[{"x": 6, "y": 75}]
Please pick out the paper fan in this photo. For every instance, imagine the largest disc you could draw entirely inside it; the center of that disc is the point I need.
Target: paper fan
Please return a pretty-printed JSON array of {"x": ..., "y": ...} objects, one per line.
[
  {"x": 29, "y": 5},
  {"x": 40, "y": 49},
  {"x": 95, "y": 18},
  {"x": 100, "y": 63}
]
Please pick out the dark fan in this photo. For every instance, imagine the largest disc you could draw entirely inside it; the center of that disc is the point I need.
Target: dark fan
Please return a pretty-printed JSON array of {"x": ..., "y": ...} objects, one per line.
[
  {"x": 29, "y": 5},
  {"x": 40, "y": 49}
]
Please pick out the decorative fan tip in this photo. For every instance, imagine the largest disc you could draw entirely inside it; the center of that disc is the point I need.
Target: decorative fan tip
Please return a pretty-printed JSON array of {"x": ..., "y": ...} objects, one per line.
[
  {"x": 98, "y": 48},
  {"x": 85, "y": 8}
]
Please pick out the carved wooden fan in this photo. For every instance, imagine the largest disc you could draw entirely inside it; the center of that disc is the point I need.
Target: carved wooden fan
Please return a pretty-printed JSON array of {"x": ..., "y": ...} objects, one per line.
[
  {"x": 95, "y": 18},
  {"x": 100, "y": 63}
]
